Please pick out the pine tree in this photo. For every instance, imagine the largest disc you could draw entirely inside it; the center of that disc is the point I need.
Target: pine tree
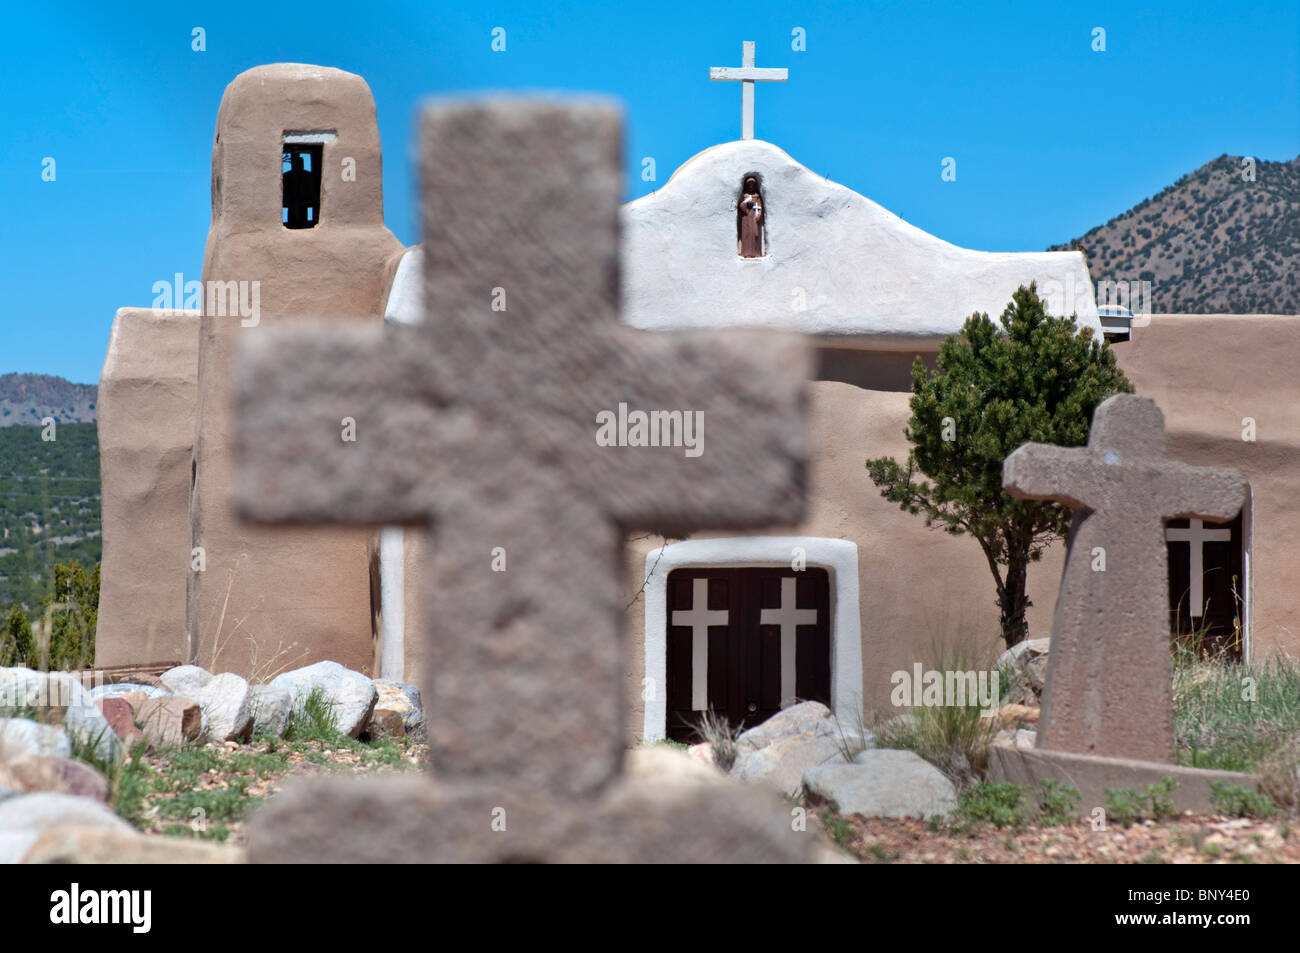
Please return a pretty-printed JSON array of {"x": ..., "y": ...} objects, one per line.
[
  {"x": 1036, "y": 378},
  {"x": 16, "y": 639}
]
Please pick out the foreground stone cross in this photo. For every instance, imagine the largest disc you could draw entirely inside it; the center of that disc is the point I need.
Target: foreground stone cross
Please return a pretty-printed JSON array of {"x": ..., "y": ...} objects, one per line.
[
  {"x": 1108, "y": 689},
  {"x": 482, "y": 422}
]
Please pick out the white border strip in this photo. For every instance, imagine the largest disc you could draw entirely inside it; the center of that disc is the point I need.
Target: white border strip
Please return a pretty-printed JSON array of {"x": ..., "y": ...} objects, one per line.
[{"x": 838, "y": 556}]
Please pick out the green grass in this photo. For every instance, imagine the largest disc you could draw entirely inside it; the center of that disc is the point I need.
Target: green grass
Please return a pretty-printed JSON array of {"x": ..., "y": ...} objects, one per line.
[
  {"x": 1237, "y": 801},
  {"x": 1233, "y": 716},
  {"x": 313, "y": 720},
  {"x": 1127, "y": 806}
]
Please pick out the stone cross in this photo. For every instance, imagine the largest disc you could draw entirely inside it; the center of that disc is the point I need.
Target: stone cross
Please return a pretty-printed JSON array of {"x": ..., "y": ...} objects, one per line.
[
  {"x": 1197, "y": 536},
  {"x": 1108, "y": 689},
  {"x": 789, "y": 618},
  {"x": 747, "y": 74},
  {"x": 699, "y": 617},
  {"x": 481, "y": 422}
]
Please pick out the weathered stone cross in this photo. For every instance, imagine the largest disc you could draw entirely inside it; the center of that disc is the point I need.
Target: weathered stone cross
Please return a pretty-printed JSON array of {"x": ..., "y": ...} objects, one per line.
[
  {"x": 482, "y": 422},
  {"x": 747, "y": 73},
  {"x": 1108, "y": 689}
]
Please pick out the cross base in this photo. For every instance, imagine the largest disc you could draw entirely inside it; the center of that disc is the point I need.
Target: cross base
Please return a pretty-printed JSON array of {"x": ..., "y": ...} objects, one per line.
[{"x": 410, "y": 820}]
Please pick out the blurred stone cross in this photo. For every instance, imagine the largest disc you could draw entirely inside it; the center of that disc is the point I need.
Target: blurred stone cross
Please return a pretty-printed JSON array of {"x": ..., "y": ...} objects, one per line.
[
  {"x": 482, "y": 423},
  {"x": 1108, "y": 689}
]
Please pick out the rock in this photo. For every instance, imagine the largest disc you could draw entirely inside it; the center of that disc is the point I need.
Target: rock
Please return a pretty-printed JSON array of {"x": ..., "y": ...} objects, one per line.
[
  {"x": 226, "y": 701},
  {"x": 25, "y": 818},
  {"x": 702, "y": 753},
  {"x": 29, "y": 773},
  {"x": 1009, "y": 716},
  {"x": 75, "y": 844},
  {"x": 397, "y": 710},
  {"x": 121, "y": 718},
  {"x": 660, "y": 764},
  {"x": 86, "y": 723},
  {"x": 1025, "y": 665},
  {"x": 883, "y": 783},
  {"x": 272, "y": 710},
  {"x": 122, "y": 689},
  {"x": 185, "y": 679},
  {"x": 78, "y": 844},
  {"x": 781, "y": 749},
  {"x": 170, "y": 720},
  {"x": 351, "y": 694},
  {"x": 22, "y": 734},
  {"x": 1016, "y": 738}
]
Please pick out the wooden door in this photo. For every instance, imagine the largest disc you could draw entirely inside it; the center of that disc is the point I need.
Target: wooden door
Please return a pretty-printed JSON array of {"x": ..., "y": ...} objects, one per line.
[
  {"x": 741, "y": 644},
  {"x": 1223, "y": 584}
]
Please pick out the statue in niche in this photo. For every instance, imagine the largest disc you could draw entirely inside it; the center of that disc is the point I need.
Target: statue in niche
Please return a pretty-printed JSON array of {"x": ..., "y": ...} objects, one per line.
[{"x": 749, "y": 219}]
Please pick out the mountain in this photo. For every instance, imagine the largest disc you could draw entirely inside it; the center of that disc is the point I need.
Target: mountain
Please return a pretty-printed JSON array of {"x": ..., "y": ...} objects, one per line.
[
  {"x": 1213, "y": 242},
  {"x": 29, "y": 398},
  {"x": 49, "y": 507}
]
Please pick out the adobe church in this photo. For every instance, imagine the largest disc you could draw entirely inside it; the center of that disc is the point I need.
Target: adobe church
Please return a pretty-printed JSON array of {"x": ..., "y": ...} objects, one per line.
[{"x": 741, "y": 235}]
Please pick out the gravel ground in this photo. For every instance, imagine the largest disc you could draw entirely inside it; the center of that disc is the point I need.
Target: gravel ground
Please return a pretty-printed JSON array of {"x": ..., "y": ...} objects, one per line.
[{"x": 1190, "y": 839}]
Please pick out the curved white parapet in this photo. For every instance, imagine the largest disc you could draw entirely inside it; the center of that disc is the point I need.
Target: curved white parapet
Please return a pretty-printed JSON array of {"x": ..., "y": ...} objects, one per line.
[{"x": 836, "y": 263}]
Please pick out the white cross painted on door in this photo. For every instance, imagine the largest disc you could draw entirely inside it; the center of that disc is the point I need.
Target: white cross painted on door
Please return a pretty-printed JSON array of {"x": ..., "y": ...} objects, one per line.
[
  {"x": 789, "y": 619},
  {"x": 1197, "y": 535},
  {"x": 699, "y": 617}
]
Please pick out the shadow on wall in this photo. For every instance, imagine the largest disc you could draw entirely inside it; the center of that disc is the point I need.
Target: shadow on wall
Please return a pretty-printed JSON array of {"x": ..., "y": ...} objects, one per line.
[{"x": 870, "y": 370}]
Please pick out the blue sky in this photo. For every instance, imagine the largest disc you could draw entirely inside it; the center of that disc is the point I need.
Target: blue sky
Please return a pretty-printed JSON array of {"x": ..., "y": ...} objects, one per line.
[{"x": 1050, "y": 137}]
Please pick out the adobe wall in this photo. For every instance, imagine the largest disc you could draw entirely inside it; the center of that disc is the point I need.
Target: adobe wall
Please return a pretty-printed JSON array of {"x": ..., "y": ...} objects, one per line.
[
  {"x": 302, "y": 594},
  {"x": 920, "y": 590},
  {"x": 147, "y": 391},
  {"x": 1208, "y": 372}
]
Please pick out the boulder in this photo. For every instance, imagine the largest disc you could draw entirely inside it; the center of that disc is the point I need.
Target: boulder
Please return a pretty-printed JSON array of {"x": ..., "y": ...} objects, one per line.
[
  {"x": 185, "y": 679},
  {"x": 121, "y": 717},
  {"x": 226, "y": 701},
  {"x": 29, "y": 773},
  {"x": 702, "y": 752},
  {"x": 170, "y": 720},
  {"x": 122, "y": 689},
  {"x": 79, "y": 844},
  {"x": 23, "y": 819},
  {"x": 1009, "y": 716},
  {"x": 1021, "y": 738},
  {"x": 781, "y": 749},
  {"x": 661, "y": 764},
  {"x": 1025, "y": 666},
  {"x": 24, "y": 735},
  {"x": 883, "y": 783},
  {"x": 272, "y": 710},
  {"x": 397, "y": 710},
  {"x": 351, "y": 694}
]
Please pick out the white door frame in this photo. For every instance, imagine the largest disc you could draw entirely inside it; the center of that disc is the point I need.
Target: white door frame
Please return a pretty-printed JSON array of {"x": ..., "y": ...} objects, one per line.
[{"x": 838, "y": 556}]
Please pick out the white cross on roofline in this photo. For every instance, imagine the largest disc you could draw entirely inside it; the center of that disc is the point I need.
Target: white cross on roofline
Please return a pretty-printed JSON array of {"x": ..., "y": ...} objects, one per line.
[{"x": 747, "y": 73}]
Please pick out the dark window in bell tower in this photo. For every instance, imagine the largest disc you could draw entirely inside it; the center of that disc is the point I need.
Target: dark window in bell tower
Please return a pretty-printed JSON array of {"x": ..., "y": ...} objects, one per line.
[{"x": 300, "y": 169}]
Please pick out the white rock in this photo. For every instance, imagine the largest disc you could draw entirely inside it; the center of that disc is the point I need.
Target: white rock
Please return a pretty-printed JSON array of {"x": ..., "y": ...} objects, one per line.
[
  {"x": 22, "y": 734},
  {"x": 100, "y": 692},
  {"x": 1028, "y": 660},
  {"x": 1022, "y": 738},
  {"x": 186, "y": 679},
  {"x": 661, "y": 764},
  {"x": 884, "y": 783},
  {"x": 351, "y": 694},
  {"x": 25, "y": 818},
  {"x": 781, "y": 749},
  {"x": 272, "y": 710},
  {"x": 402, "y": 698},
  {"x": 226, "y": 701}
]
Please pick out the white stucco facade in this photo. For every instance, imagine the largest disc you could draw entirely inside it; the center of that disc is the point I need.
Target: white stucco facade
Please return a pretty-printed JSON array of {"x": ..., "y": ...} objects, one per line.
[{"x": 836, "y": 263}]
